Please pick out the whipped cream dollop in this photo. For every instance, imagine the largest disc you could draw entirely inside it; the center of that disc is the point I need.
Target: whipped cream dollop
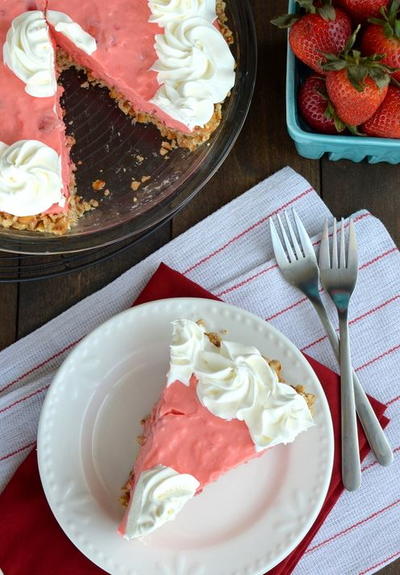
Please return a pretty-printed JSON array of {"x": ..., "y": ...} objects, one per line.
[
  {"x": 159, "y": 495},
  {"x": 165, "y": 11},
  {"x": 28, "y": 51},
  {"x": 236, "y": 382},
  {"x": 72, "y": 30},
  {"x": 30, "y": 178},
  {"x": 195, "y": 70},
  {"x": 187, "y": 342}
]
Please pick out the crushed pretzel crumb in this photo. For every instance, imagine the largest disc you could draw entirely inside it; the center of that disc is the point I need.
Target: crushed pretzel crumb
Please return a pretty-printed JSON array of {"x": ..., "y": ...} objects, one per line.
[
  {"x": 214, "y": 338},
  {"x": 309, "y": 397},
  {"x": 141, "y": 439},
  {"x": 98, "y": 185},
  {"x": 275, "y": 365},
  {"x": 135, "y": 185},
  {"x": 167, "y": 145},
  {"x": 145, "y": 179},
  {"x": 125, "y": 496}
]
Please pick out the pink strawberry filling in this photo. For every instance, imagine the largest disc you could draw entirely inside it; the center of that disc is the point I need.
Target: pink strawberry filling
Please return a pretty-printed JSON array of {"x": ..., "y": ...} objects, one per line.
[{"x": 183, "y": 434}]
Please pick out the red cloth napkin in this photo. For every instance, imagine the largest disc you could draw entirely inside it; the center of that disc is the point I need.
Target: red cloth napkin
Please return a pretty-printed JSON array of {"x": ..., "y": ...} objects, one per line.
[{"x": 31, "y": 541}]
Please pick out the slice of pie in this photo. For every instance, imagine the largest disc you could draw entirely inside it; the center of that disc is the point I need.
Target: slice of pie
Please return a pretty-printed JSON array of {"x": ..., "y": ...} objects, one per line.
[
  {"x": 223, "y": 405},
  {"x": 164, "y": 61}
]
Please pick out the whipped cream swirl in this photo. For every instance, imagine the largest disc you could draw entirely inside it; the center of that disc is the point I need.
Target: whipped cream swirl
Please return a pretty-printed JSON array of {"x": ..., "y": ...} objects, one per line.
[
  {"x": 236, "y": 382},
  {"x": 195, "y": 68},
  {"x": 65, "y": 25},
  {"x": 30, "y": 178},
  {"x": 165, "y": 11},
  {"x": 159, "y": 495},
  {"x": 187, "y": 342},
  {"x": 28, "y": 51}
]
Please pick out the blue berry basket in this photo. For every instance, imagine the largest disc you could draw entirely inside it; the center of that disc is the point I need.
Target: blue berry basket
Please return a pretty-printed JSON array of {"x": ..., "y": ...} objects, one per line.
[{"x": 313, "y": 145}]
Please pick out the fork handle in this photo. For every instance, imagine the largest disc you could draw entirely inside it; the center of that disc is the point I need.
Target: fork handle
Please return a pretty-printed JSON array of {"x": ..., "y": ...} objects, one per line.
[
  {"x": 375, "y": 435},
  {"x": 351, "y": 470}
]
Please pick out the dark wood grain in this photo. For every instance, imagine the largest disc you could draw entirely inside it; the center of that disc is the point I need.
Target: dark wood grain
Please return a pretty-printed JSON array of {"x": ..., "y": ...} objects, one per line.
[
  {"x": 8, "y": 314},
  {"x": 392, "y": 569},
  {"x": 8, "y": 303},
  {"x": 348, "y": 187},
  {"x": 262, "y": 148}
]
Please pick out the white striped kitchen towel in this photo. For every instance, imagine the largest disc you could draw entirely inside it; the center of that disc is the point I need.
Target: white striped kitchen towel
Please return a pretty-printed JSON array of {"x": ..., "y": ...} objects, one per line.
[{"x": 230, "y": 254}]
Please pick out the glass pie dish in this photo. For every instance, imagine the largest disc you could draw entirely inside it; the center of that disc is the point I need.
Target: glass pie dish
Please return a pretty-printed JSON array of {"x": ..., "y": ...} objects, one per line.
[{"x": 139, "y": 187}]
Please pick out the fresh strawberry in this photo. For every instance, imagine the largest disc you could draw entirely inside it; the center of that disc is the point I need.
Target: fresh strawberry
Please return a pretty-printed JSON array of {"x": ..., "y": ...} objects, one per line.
[
  {"x": 315, "y": 107},
  {"x": 385, "y": 123},
  {"x": 356, "y": 84},
  {"x": 383, "y": 37},
  {"x": 321, "y": 29},
  {"x": 361, "y": 10},
  {"x": 353, "y": 106}
]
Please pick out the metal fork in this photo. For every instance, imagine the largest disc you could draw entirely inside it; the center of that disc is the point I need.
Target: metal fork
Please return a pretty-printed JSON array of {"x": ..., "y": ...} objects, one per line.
[
  {"x": 298, "y": 264},
  {"x": 339, "y": 277}
]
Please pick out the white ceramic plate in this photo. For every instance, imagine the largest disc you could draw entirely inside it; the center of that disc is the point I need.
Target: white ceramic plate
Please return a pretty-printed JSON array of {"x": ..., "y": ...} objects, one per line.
[{"x": 243, "y": 524}]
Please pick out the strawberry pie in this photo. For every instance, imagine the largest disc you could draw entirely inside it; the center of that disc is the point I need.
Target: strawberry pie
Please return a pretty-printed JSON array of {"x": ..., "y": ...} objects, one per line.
[
  {"x": 223, "y": 404},
  {"x": 166, "y": 62}
]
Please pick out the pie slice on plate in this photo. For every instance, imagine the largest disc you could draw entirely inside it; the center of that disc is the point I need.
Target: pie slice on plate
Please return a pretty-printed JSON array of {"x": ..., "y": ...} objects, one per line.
[{"x": 224, "y": 404}]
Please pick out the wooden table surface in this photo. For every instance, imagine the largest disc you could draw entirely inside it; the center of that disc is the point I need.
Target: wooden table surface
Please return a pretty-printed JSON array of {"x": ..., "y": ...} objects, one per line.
[{"x": 262, "y": 148}]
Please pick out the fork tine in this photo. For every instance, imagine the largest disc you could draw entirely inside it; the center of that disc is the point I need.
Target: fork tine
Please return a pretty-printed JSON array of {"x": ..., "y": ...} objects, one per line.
[
  {"x": 324, "y": 256},
  {"x": 334, "y": 246},
  {"x": 295, "y": 243},
  {"x": 342, "y": 260},
  {"x": 305, "y": 241},
  {"x": 286, "y": 241},
  {"x": 352, "y": 257},
  {"x": 280, "y": 254}
]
